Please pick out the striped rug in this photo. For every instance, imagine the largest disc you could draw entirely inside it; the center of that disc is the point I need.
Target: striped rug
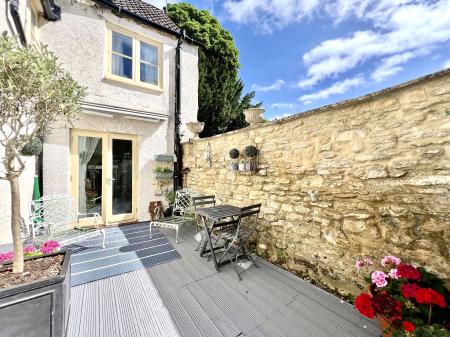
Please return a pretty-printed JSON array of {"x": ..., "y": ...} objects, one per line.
[{"x": 128, "y": 248}]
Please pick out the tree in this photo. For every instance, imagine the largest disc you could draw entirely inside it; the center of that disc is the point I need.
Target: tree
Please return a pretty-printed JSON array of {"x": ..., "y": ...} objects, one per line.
[
  {"x": 34, "y": 93},
  {"x": 221, "y": 102}
]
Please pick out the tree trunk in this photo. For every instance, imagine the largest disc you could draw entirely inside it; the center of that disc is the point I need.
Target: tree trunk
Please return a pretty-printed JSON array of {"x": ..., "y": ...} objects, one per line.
[{"x": 15, "y": 224}]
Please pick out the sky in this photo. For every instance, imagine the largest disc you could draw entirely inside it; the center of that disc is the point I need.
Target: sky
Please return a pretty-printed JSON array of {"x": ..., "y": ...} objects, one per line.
[{"x": 298, "y": 55}]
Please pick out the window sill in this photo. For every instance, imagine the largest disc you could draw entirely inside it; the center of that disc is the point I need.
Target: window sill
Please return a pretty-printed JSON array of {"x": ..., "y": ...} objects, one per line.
[{"x": 131, "y": 83}]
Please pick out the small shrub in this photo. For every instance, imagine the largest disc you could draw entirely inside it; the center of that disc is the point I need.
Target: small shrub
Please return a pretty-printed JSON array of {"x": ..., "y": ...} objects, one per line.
[
  {"x": 234, "y": 153},
  {"x": 170, "y": 197},
  {"x": 251, "y": 151},
  {"x": 32, "y": 148}
]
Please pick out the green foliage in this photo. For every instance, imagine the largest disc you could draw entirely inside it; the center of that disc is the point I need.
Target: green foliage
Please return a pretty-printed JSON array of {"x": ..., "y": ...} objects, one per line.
[
  {"x": 431, "y": 331},
  {"x": 32, "y": 148},
  {"x": 162, "y": 169},
  {"x": 234, "y": 153},
  {"x": 251, "y": 151},
  {"x": 170, "y": 197},
  {"x": 221, "y": 99}
]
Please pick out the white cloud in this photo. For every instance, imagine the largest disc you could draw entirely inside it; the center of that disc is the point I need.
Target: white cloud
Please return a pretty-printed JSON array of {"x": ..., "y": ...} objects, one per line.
[
  {"x": 391, "y": 65},
  {"x": 337, "y": 88},
  {"x": 409, "y": 31},
  {"x": 160, "y": 3},
  {"x": 446, "y": 64},
  {"x": 275, "y": 86},
  {"x": 283, "y": 105}
]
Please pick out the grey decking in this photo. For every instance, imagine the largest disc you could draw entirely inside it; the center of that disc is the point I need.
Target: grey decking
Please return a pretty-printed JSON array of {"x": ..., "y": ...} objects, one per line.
[{"x": 187, "y": 298}]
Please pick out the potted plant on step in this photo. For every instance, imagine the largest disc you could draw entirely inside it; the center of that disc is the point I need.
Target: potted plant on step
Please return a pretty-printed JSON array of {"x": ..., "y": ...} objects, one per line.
[
  {"x": 407, "y": 301},
  {"x": 35, "y": 93}
]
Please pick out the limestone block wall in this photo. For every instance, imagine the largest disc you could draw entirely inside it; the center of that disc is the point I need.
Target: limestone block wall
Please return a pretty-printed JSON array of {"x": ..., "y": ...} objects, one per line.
[{"x": 369, "y": 177}]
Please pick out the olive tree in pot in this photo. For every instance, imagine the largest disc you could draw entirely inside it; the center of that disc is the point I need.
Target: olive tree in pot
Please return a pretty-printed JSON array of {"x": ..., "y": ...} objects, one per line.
[
  {"x": 251, "y": 152},
  {"x": 35, "y": 92}
]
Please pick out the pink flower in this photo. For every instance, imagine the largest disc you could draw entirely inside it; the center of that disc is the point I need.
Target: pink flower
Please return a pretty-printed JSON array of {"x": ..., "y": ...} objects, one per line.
[
  {"x": 393, "y": 273},
  {"x": 379, "y": 279},
  {"x": 390, "y": 260},
  {"x": 50, "y": 246},
  {"x": 8, "y": 256},
  {"x": 363, "y": 263},
  {"x": 29, "y": 249}
]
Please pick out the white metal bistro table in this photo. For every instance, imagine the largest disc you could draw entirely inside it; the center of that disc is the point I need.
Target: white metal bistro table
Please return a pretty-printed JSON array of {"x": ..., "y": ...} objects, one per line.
[{"x": 216, "y": 215}]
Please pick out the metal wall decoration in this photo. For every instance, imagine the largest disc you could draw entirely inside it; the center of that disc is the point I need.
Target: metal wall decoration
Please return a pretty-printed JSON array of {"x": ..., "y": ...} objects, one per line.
[{"x": 208, "y": 155}]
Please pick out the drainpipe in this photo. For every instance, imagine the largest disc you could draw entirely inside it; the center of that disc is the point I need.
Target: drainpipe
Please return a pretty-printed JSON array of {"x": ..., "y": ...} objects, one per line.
[
  {"x": 178, "y": 165},
  {"x": 14, "y": 10}
]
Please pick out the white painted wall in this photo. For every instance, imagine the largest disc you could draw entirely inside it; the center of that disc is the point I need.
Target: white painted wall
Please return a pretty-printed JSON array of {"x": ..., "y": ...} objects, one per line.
[{"x": 78, "y": 40}]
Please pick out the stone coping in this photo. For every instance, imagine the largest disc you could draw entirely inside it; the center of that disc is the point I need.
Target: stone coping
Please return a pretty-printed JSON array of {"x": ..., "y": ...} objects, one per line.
[{"x": 341, "y": 104}]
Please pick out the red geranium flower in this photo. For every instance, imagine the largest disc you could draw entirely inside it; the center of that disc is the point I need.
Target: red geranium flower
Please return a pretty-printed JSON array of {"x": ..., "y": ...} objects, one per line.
[
  {"x": 408, "y": 271},
  {"x": 408, "y": 326},
  {"x": 363, "y": 303},
  {"x": 386, "y": 305},
  {"x": 409, "y": 290},
  {"x": 430, "y": 296}
]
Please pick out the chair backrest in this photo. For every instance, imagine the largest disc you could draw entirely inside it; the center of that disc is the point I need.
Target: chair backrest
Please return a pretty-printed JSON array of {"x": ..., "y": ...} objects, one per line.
[
  {"x": 183, "y": 200},
  {"x": 53, "y": 213},
  {"x": 246, "y": 214},
  {"x": 204, "y": 201}
]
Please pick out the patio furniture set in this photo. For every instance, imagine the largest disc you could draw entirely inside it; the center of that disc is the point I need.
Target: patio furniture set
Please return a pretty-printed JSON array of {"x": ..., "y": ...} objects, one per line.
[{"x": 223, "y": 231}]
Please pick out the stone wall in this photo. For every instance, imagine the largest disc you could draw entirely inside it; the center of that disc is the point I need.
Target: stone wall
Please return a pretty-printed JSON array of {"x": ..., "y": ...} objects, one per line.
[{"x": 369, "y": 176}]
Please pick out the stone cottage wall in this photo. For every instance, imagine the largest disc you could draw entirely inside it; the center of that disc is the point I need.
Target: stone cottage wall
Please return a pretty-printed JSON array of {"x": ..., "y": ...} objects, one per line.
[{"x": 369, "y": 176}]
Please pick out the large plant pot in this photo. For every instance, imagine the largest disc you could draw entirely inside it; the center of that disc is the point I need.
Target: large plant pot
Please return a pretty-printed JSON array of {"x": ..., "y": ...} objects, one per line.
[
  {"x": 37, "y": 309},
  {"x": 384, "y": 326},
  {"x": 254, "y": 115}
]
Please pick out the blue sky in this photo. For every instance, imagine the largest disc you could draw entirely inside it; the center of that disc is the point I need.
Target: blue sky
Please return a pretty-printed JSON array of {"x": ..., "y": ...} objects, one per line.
[{"x": 302, "y": 54}]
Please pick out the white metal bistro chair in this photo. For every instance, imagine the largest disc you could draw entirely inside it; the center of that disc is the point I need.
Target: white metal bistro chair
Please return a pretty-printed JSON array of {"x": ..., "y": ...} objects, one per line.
[
  {"x": 57, "y": 218},
  {"x": 182, "y": 213}
]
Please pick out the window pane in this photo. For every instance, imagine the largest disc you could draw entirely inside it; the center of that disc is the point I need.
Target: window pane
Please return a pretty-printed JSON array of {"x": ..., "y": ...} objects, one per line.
[
  {"x": 122, "y": 44},
  {"x": 122, "y": 66},
  {"x": 149, "y": 53},
  {"x": 149, "y": 74}
]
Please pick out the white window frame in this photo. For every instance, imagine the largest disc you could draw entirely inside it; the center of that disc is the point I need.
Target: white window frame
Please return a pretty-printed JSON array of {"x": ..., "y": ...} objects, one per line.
[{"x": 136, "y": 59}]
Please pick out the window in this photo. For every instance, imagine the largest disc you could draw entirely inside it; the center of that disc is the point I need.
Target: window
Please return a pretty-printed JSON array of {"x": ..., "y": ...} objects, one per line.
[{"x": 133, "y": 59}]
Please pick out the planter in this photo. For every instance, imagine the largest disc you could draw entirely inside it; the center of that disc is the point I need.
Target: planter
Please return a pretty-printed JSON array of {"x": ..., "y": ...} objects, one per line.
[
  {"x": 384, "y": 326},
  {"x": 164, "y": 157},
  {"x": 38, "y": 309},
  {"x": 195, "y": 127},
  {"x": 254, "y": 115},
  {"x": 164, "y": 176},
  {"x": 234, "y": 166}
]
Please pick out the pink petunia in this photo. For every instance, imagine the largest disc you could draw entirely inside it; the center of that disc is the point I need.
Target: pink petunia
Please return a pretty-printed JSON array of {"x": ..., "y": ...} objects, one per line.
[
  {"x": 379, "y": 279},
  {"x": 50, "y": 246},
  {"x": 8, "y": 256},
  {"x": 393, "y": 273},
  {"x": 29, "y": 249},
  {"x": 390, "y": 260}
]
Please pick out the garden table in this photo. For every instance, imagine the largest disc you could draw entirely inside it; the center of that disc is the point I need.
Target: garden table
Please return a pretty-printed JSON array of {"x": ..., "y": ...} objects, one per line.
[{"x": 216, "y": 215}]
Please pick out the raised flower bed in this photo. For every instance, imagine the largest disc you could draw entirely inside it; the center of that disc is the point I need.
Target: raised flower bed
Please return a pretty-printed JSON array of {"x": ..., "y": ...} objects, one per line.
[{"x": 38, "y": 299}]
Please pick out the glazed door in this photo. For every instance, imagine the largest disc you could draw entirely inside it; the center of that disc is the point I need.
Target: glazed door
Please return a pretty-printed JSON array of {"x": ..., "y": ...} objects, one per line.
[{"x": 104, "y": 176}]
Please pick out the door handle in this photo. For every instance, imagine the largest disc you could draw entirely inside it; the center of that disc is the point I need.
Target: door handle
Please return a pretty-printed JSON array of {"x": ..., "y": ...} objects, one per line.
[{"x": 110, "y": 180}]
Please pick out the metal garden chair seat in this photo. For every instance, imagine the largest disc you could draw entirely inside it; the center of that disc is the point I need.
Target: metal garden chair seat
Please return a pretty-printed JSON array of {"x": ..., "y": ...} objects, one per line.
[
  {"x": 236, "y": 239},
  {"x": 182, "y": 206},
  {"x": 57, "y": 218}
]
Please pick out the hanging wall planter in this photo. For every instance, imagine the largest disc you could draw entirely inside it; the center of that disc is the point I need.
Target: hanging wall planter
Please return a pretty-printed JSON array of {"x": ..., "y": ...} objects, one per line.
[{"x": 234, "y": 155}]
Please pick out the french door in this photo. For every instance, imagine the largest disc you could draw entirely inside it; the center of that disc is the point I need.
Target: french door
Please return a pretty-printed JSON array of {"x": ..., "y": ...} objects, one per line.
[{"x": 104, "y": 175}]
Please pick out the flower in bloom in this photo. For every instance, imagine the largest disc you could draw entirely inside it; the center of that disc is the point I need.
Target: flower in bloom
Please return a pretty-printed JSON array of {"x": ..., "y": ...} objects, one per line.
[
  {"x": 29, "y": 249},
  {"x": 8, "y": 256},
  {"x": 408, "y": 326},
  {"x": 363, "y": 303},
  {"x": 390, "y": 260},
  {"x": 408, "y": 271},
  {"x": 409, "y": 290},
  {"x": 379, "y": 278},
  {"x": 363, "y": 263},
  {"x": 429, "y": 296},
  {"x": 386, "y": 305},
  {"x": 50, "y": 246},
  {"x": 393, "y": 273}
]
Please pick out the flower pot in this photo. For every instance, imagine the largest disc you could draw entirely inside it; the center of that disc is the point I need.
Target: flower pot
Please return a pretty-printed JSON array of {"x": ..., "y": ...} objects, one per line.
[
  {"x": 241, "y": 166},
  {"x": 384, "y": 326},
  {"x": 38, "y": 309},
  {"x": 164, "y": 176},
  {"x": 195, "y": 127},
  {"x": 254, "y": 115}
]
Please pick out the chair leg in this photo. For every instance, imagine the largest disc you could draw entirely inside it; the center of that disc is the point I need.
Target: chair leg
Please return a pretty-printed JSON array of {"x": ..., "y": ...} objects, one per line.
[
  {"x": 151, "y": 225},
  {"x": 176, "y": 237},
  {"x": 104, "y": 237},
  {"x": 236, "y": 265},
  {"x": 249, "y": 255}
]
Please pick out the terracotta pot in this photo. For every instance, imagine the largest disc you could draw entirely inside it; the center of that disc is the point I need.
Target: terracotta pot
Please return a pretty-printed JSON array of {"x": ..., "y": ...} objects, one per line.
[{"x": 384, "y": 326}]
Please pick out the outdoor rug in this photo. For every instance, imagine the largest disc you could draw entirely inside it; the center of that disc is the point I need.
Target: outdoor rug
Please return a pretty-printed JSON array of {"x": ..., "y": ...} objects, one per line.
[{"x": 128, "y": 248}]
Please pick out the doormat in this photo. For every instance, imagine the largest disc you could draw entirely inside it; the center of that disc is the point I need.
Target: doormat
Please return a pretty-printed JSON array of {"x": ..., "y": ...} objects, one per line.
[{"x": 128, "y": 248}]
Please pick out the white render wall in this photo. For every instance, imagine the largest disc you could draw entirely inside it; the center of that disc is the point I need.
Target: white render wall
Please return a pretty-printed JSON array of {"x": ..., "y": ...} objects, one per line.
[{"x": 152, "y": 140}]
